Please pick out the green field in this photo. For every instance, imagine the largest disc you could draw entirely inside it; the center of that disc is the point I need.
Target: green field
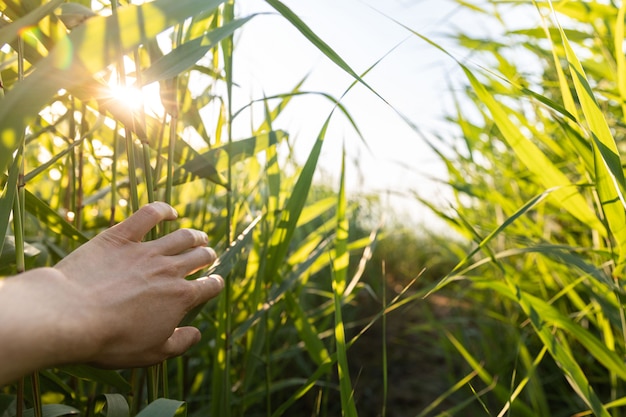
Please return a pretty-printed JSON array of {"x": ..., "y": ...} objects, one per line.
[{"x": 327, "y": 310}]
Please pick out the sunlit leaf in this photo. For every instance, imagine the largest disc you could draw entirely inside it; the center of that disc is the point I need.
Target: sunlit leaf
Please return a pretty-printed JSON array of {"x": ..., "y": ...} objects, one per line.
[{"x": 189, "y": 53}]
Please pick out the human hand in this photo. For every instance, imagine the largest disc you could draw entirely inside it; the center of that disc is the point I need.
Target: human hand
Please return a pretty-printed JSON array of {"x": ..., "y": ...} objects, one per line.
[{"x": 133, "y": 294}]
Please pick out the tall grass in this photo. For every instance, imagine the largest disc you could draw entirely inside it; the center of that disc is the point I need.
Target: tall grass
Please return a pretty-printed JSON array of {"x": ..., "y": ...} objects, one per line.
[
  {"x": 275, "y": 338},
  {"x": 538, "y": 326},
  {"x": 539, "y": 186}
]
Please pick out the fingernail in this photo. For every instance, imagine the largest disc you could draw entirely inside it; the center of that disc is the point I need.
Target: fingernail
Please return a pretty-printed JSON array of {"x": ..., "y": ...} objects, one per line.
[{"x": 219, "y": 279}]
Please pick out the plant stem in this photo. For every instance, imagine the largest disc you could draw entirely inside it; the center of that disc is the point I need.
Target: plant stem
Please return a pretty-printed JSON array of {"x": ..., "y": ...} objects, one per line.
[
  {"x": 145, "y": 145},
  {"x": 18, "y": 230},
  {"x": 19, "y": 399},
  {"x": 132, "y": 173},
  {"x": 114, "y": 174},
  {"x": 384, "y": 342},
  {"x": 130, "y": 145},
  {"x": 171, "y": 147},
  {"x": 34, "y": 380},
  {"x": 227, "y": 16},
  {"x": 152, "y": 376},
  {"x": 78, "y": 209}
]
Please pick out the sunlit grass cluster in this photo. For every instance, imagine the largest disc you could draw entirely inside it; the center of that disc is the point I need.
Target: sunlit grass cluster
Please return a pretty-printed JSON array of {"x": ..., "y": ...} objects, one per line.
[{"x": 540, "y": 187}]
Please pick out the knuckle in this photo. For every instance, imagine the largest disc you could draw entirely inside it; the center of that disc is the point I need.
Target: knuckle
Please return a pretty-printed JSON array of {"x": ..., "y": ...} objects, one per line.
[
  {"x": 186, "y": 234},
  {"x": 172, "y": 269},
  {"x": 186, "y": 293},
  {"x": 196, "y": 236},
  {"x": 151, "y": 210}
]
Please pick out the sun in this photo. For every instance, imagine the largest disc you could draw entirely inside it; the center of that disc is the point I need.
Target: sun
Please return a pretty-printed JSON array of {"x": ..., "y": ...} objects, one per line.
[
  {"x": 127, "y": 96},
  {"x": 124, "y": 93}
]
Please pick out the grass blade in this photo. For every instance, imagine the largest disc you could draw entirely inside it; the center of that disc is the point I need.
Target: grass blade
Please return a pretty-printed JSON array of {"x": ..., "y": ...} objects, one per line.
[
  {"x": 537, "y": 162},
  {"x": 609, "y": 174},
  {"x": 225, "y": 263},
  {"x": 281, "y": 237},
  {"x": 186, "y": 55},
  {"x": 340, "y": 271}
]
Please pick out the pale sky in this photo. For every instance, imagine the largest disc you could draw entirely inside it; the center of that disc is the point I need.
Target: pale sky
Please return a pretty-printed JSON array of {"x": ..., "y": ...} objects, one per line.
[{"x": 271, "y": 57}]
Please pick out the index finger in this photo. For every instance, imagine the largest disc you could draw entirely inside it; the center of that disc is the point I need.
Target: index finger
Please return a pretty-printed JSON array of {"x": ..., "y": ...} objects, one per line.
[{"x": 143, "y": 220}]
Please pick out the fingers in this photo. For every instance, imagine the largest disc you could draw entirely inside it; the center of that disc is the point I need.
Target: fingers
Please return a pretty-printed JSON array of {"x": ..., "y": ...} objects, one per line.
[
  {"x": 180, "y": 241},
  {"x": 195, "y": 259},
  {"x": 185, "y": 337},
  {"x": 208, "y": 287},
  {"x": 143, "y": 220},
  {"x": 181, "y": 340}
]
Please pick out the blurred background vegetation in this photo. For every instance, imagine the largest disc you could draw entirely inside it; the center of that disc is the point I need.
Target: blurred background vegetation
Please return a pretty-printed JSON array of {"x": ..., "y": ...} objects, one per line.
[{"x": 334, "y": 304}]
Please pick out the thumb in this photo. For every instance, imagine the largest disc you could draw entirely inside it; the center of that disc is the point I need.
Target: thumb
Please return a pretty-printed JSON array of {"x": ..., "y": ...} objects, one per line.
[{"x": 181, "y": 340}]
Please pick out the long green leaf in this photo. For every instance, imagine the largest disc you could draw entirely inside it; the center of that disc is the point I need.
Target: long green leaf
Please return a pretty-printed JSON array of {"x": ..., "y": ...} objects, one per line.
[
  {"x": 543, "y": 318},
  {"x": 225, "y": 263},
  {"x": 113, "y": 405},
  {"x": 483, "y": 243},
  {"x": 281, "y": 236},
  {"x": 89, "y": 373},
  {"x": 306, "y": 330},
  {"x": 501, "y": 392},
  {"x": 340, "y": 271},
  {"x": 317, "y": 41},
  {"x": 53, "y": 220},
  {"x": 186, "y": 55},
  {"x": 210, "y": 164},
  {"x": 564, "y": 192},
  {"x": 609, "y": 174},
  {"x": 6, "y": 199}
]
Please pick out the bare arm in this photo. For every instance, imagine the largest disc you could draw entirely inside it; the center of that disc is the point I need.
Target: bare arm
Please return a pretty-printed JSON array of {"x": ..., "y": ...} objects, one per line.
[{"x": 114, "y": 302}]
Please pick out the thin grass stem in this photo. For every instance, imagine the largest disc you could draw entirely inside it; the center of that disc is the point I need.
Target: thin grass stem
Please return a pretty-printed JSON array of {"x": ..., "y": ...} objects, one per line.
[
  {"x": 132, "y": 170},
  {"x": 171, "y": 149},
  {"x": 152, "y": 382},
  {"x": 128, "y": 134},
  {"x": 37, "y": 405},
  {"x": 385, "y": 375},
  {"x": 19, "y": 398},
  {"x": 227, "y": 46},
  {"x": 145, "y": 144},
  {"x": 78, "y": 210},
  {"x": 113, "y": 201}
]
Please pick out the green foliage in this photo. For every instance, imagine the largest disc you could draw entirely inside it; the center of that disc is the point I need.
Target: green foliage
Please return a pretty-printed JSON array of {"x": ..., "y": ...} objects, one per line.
[{"x": 539, "y": 186}]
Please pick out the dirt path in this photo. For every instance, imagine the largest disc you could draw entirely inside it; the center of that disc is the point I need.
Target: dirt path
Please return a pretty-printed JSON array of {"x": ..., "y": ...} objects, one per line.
[{"x": 417, "y": 368}]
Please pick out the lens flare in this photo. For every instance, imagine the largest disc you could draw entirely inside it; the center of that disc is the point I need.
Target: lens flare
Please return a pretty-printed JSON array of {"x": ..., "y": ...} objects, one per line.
[{"x": 127, "y": 96}]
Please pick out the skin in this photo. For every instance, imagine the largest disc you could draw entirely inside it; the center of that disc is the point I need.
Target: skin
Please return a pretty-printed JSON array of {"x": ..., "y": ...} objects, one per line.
[{"x": 115, "y": 302}]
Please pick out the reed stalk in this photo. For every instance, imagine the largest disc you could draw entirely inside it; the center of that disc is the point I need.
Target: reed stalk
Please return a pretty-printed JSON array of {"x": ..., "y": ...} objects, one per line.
[
  {"x": 128, "y": 134},
  {"x": 383, "y": 319},
  {"x": 114, "y": 191}
]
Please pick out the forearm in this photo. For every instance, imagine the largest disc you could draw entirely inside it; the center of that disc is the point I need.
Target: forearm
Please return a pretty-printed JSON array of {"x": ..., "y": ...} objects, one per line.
[{"x": 39, "y": 324}]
